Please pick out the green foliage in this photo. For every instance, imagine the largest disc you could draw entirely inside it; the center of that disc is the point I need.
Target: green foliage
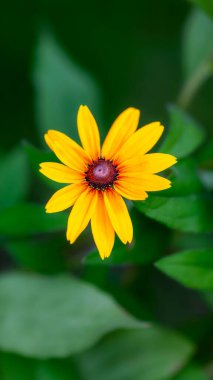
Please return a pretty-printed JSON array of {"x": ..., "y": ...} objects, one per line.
[
  {"x": 184, "y": 178},
  {"x": 191, "y": 268},
  {"x": 184, "y": 136},
  {"x": 149, "y": 354},
  {"x": 47, "y": 254},
  {"x": 36, "y": 157},
  {"x": 197, "y": 42},
  {"x": 22, "y": 368},
  {"x": 67, "y": 314},
  {"x": 143, "y": 250},
  {"x": 206, "y": 5},
  {"x": 16, "y": 367},
  {"x": 191, "y": 372},
  {"x": 25, "y": 219},
  {"x": 205, "y": 156},
  {"x": 14, "y": 176},
  {"x": 188, "y": 213},
  {"x": 55, "y": 317},
  {"x": 61, "y": 86},
  {"x": 57, "y": 370}
]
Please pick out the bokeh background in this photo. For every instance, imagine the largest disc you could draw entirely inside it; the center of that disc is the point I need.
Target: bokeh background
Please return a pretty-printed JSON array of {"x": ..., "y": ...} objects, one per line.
[{"x": 145, "y": 313}]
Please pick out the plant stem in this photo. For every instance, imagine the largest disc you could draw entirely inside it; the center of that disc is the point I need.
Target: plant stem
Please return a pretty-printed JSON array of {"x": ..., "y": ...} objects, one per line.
[{"x": 194, "y": 83}]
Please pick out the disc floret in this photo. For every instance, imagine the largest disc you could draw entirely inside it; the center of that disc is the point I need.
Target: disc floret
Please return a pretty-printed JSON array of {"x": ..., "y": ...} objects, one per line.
[{"x": 101, "y": 174}]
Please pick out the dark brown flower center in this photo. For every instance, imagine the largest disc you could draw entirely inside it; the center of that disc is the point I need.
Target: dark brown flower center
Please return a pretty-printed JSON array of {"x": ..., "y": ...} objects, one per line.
[{"x": 101, "y": 174}]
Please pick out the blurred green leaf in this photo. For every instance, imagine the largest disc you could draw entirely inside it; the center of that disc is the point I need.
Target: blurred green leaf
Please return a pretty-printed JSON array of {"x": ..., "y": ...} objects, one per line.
[
  {"x": 29, "y": 219},
  {"x": 184, "y": 135},
  {"x": 143, "y": 250},
  {"x": 197, "y": 42},
  {"x": 206, "y": 5},
  {"x": 193, "y": 269},
  {"x": 63, "y": 369},
  {"x": 61, "y": 86},
  {"x": 208, "y": 296},
  {"x": 45, "y": 255},
  {"x": 14, "y": 178},
  {"x": 16, "y": 367},
  {"x": 191, "y": 213},
  {"x": 49, "y": 317},
  {"x": 183, "y": 241},
  {"x": 191, "y": 372},
  {"x": 151, "y": 354},
  {"x": 37, "y": 156},
  {"x": 205, "y": 156},
  {"x": 13, "y": 367},
  {"x": 207, "y": 178},
  {"x": 184, "y": 178}
]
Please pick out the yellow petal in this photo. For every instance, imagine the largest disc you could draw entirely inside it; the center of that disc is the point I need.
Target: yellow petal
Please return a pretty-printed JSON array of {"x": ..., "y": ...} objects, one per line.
[
  {"x": 145, "y": 181},
  {"x": 152, "y": 163},
  {"x": 122, "y": 128},
  {"x": 81, "y": 214},
  {"x": 157, "y": 162},
  {"x": 130, "y": 191},
  {"x": 119, "y": 215},
  {"x": 60, "y": 173},
  {"x": 67, "y": 150},
  {"x": 88, "y": 132},
  {"x": 102, "y": 230},
  {"x": 65, "y": 197},
  {"x": 140, "y": 142}
]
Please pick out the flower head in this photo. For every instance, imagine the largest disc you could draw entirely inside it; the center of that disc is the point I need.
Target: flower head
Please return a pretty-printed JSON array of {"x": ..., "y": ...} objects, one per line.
[{"x": 98, "y": 178}]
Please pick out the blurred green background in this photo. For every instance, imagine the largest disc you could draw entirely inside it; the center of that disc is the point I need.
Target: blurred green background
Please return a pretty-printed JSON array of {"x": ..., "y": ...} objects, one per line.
[{"x": 146, "y": 312}]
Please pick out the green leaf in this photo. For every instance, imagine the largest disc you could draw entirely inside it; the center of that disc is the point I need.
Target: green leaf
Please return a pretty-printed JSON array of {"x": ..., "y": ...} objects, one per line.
[
  {"x": 184, "y": 136},
  {"x": 193, "y": 269},
  {"x": 48, "y": 317},
  {"x": 14, "y": 178},
  {"x": 13, "y": 367},
  {"x": 36, "y": 157},
  {"x": 205, "y": 156},
  {"x": 207, "y": 178},
  {"x": 191, "y": 372},
  {"x": 183, "y": 241},
  {"x": 206, "y": 5},
  {"x": 143, "y": 250},
  {"x": 61, "y": 86},
  {"x": 208, "y": 296},
  {"x": 16, "y": 367},
  {"x": 45, "y": 254},
  {"x": 29, "y": 219},
  {"x": 184, "y": 178},
  {"x": 150, "y": 354},
  {"x": 63, "y": 369},
  {"x": 189, "y": 213},
  {"x": 197, "y": 42}
]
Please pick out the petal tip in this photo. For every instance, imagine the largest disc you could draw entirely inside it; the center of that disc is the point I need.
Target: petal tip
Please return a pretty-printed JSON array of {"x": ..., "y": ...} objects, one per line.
[
  {"x": 161, "y": 126},
  {"x": 83, "y": 107},
  {"x": 80, "y": 108},
  {"x": 136, "y": 110},
  {"x": 130, "y": 238}
]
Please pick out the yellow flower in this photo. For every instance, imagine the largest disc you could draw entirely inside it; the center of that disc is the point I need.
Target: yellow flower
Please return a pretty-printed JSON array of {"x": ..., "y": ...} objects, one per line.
[{"x": 98, "y": 177}]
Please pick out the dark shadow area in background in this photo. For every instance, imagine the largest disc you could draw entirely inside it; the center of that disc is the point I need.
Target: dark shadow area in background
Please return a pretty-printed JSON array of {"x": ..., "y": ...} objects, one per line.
[{"x": 120, "y": 43}]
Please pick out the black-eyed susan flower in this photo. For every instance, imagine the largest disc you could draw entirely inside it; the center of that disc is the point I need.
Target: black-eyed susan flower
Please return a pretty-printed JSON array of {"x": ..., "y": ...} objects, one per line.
[{"x": 98, "y": 178}]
